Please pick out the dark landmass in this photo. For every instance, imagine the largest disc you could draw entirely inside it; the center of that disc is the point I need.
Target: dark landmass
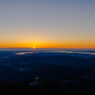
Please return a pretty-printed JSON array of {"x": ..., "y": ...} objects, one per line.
[
  {"x": 48, "y": 87},
  {"x": 58, "y": 74}
]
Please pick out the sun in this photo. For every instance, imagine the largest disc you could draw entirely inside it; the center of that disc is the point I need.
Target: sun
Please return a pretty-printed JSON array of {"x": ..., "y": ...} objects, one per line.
[{"x": 34, "y": 47}]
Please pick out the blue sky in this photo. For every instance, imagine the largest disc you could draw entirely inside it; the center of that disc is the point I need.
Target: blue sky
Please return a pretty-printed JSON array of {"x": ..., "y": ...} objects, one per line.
[{"x": 48, "y": 21}]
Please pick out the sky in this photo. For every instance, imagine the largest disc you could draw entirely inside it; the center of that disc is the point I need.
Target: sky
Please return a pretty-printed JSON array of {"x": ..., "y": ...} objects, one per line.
[{"x": 47, "y": 23}]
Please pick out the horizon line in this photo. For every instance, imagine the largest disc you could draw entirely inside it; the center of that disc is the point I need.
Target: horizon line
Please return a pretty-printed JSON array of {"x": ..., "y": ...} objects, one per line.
[{"x": 41, "y": 48}]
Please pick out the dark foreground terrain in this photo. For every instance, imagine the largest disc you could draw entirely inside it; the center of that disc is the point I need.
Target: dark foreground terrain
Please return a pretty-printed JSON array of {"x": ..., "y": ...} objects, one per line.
[
  {"x": 43, "y": 74},
  {"x": 47, "y": 87}
]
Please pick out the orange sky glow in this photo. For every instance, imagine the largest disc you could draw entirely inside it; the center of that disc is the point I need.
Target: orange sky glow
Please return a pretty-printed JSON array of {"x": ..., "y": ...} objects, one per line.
[
  {"x": 48, "y": 45},
  {"x": 47, "y": 24}
]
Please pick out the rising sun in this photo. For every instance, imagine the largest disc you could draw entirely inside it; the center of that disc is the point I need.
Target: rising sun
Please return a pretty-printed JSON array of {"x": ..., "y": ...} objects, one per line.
[{"x": 33, "y": 47}]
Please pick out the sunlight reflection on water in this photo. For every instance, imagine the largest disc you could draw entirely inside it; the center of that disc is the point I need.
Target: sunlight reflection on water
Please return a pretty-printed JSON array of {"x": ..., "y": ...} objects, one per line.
[
  {"x": 23, "y": 53},
  {"x": 56, "y": 51}
]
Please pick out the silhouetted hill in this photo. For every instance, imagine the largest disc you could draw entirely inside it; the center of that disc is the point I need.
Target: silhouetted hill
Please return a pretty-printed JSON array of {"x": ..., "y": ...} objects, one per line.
[
  {"x": 59, "y": 75},
  {"x": 48, "y": 87},
  {"x": 56, "y": 72},
  {"x": 65, "y": 60},
  {"x": 21, "y": 67}
]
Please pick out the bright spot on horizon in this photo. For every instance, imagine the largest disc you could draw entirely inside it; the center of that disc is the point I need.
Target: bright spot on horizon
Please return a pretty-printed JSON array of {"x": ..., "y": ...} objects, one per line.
[{"x": 34, "y": 47}]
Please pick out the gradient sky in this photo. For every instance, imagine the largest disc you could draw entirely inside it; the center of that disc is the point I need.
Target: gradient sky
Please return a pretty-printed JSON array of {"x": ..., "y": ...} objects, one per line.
[{"x": 47, "y": 23}]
